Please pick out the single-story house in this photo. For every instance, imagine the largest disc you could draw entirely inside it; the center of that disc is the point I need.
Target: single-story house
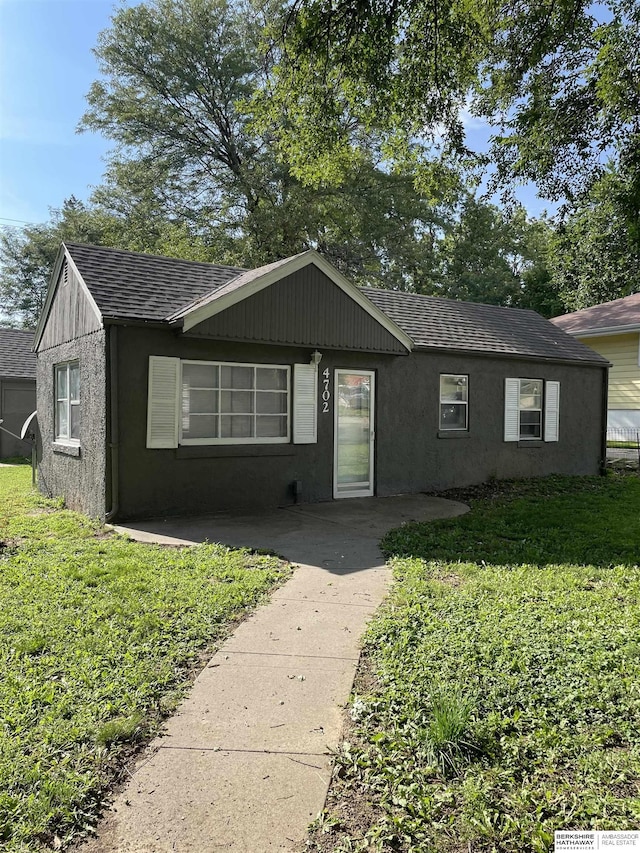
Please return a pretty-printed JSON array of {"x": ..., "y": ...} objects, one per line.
[
  {"x": 168, "y": 386},
  {"x": 17, "y": 389},
  {"x": 613, "y": 330}
]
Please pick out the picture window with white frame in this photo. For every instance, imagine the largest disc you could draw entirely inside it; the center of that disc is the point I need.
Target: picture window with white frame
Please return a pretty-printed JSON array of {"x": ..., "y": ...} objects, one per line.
[
  {"x": 454, "y": 401},
  {"x": 229, "y": 403},
  {"x": 67, "y": 394}
]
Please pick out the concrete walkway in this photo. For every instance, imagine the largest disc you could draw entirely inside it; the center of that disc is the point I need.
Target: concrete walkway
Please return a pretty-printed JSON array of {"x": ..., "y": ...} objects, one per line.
[{"x": 246, "y": 761}]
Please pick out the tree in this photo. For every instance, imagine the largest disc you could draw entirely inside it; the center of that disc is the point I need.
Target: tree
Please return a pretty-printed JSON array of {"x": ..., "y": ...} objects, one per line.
[
  {"x": 178, "y": 80},
  {"x": 497, "y": 257},
  {"x": 559, "y": 80},
  {"x": 27, "y": 256},
  {"x": 595, "y": 253}
]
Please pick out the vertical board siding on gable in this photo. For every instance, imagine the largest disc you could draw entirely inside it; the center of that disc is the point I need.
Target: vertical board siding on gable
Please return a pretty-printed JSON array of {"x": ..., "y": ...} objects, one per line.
[
  {"x": 71, "y": 315},
  {"x": 624, "y": 376},
  {"x": 304, "y": 309}
]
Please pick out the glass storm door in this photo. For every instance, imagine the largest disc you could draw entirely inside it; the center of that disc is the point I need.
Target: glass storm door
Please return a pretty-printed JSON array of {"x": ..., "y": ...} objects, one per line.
[{"x": 353, "y": 434}]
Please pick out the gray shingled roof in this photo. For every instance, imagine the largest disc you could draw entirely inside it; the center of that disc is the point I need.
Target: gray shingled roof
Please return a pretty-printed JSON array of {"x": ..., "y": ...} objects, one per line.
[
  {"x": 435, "y": 323},
  {"x": 620, "y": 313},
  {"x": 16, "y": 359},
  {"x": 135, "y": 286},
  {"x": 233, "y": 284}
]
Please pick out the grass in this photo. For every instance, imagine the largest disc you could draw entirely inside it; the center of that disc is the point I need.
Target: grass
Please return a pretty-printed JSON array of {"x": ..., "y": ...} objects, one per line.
[
  {"x": 98, "y": 638},
  {"x": 499, "y": 698}
]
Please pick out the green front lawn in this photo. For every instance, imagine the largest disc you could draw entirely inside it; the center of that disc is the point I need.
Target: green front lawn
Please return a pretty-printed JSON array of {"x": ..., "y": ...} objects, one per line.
[
  {"x": 499, "y": 695},
  {"x": 98, "y": 638}
]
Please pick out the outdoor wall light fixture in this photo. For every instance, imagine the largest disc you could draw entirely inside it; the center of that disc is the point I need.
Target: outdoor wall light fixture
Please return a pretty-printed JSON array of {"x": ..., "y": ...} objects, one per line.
[{"x": 316, "y": 357}]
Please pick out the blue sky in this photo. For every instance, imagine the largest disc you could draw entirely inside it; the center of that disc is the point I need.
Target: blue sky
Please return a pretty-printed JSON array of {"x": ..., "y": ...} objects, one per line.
[{"x": 46, "y": 69}]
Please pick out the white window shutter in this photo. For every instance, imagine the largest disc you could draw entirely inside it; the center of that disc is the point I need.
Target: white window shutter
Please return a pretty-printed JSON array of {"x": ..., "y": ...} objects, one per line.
[
  {"x": 162, "y": 406},
  {"x": 305, "y": 403},
  {"x": 552, "y": 411},
  {"x": 511, "y": 409}
]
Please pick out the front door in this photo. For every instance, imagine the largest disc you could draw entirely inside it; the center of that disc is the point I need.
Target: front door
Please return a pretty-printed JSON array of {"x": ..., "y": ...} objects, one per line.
[{"x": 353, "y": 433}]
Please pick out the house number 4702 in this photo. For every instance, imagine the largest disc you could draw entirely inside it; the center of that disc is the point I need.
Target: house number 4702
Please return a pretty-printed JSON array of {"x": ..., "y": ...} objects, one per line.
[{"x": 326, "y": 393}]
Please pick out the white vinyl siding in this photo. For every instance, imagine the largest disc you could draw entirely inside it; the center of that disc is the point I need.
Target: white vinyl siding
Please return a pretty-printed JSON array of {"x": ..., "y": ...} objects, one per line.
[
  {"x": 162, "y": 407},
  {"x": 551, "y": 411},
  {"x": 623, "y": 351},
  {"x": 67, "y": 412},
  {"x": 531, "y": 410},
  {"x": 305, "y": 404},
  {"x": 234, "y": 403}
]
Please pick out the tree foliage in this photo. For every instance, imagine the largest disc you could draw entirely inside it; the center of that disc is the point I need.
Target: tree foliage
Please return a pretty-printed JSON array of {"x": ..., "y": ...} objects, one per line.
[
  {"x": 559, "y": 81},
  {"x": 498, "y": 257},
  {"x": 27, "y": 256},
  {"x": 178, "y": 77},
  {"x": 595, "y": 254},
  {"x": 191, "y": 176},
  {"x": 348, "y": 136}
]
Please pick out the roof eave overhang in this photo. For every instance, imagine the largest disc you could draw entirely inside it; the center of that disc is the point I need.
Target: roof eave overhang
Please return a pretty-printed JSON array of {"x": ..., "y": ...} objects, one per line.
[
  {"x": 605, "y": 331},
  {"x": 514, "y": 356},
  {"x": 200, "y": 313},
  {"x": 137, "y": 321}
]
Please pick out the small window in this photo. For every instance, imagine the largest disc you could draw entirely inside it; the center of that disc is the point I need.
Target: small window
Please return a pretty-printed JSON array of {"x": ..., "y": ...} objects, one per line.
[
  {"x": 454, "y": 401},
  {"x": 225, "y": 403},
  {"x": 530, "y": 409},
  {"x": 67, "y": 391}
]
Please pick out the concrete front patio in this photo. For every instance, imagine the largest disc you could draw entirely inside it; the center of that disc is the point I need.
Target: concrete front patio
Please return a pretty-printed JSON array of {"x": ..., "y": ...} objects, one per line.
[{"x": 246, "y": 761}]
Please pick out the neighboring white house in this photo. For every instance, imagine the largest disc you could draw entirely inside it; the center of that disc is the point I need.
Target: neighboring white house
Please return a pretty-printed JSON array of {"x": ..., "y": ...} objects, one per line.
[{"x": 613, "y": 330}]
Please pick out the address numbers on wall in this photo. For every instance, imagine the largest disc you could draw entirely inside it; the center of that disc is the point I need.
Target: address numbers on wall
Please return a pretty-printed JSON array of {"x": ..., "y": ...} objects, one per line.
[{"x": 326, "y": 391}]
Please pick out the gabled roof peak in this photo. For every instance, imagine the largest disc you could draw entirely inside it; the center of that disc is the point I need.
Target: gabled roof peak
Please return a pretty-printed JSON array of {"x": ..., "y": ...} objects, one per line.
[{"x": 141, "y": 288}]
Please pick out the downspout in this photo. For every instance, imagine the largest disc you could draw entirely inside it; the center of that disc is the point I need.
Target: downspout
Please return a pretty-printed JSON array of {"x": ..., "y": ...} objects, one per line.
[
  {"x": 113, "y": 423},
  {"x": 605, "y": 416}
]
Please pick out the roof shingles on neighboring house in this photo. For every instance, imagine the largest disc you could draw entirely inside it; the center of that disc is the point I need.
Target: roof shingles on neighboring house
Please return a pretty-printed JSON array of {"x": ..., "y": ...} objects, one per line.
[
  {"x": 17, "y": 361},
  {"x": 618, "y": 315},
  {"x": 148, "y": 288}
]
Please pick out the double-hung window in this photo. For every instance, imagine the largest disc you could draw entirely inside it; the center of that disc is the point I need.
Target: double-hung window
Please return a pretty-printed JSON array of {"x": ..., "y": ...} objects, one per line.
[
  {"x": 225, "y": 403},
  {"x": 67, "y": 393},
  {"x": 454, "y": 401},
  {"x": 532, "y": 410}
]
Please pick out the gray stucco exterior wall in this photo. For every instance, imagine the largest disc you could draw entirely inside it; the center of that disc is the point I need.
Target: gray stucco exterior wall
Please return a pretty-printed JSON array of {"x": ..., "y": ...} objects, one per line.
[
  {"x": 77, "y": 473},
  {"x": 411, "y": 455}
]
